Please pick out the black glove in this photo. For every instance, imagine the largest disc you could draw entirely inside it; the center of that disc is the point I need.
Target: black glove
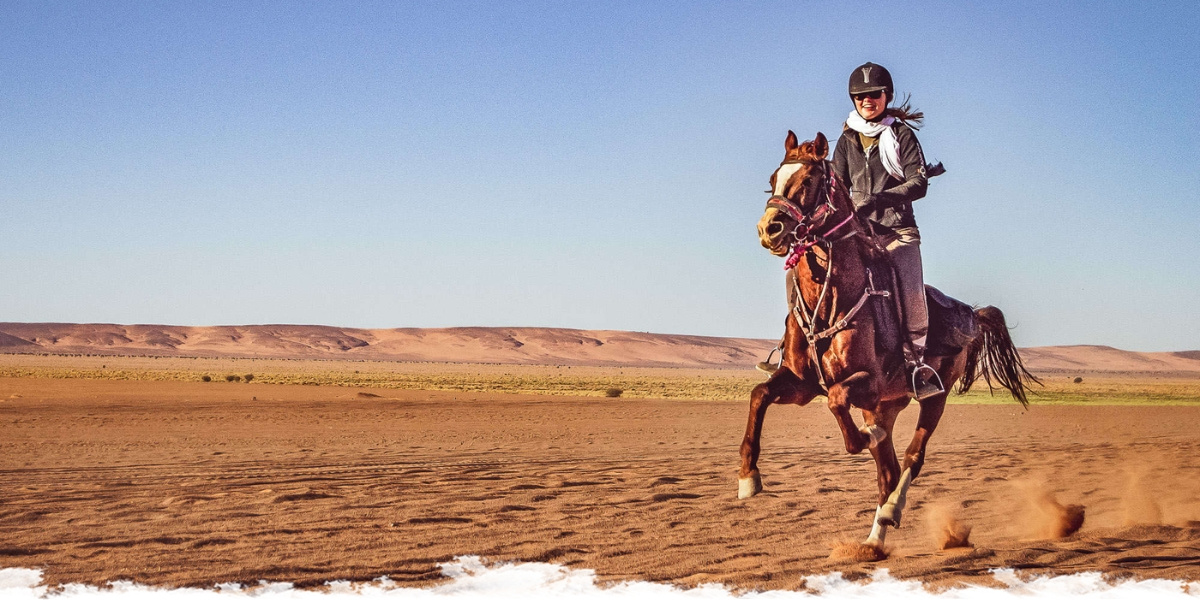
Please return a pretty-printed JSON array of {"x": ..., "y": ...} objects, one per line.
[{"x": 867, "y": 207}]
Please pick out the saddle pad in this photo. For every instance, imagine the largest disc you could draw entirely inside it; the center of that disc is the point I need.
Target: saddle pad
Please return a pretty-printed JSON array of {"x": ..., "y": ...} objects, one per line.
[{"x": 952, "y": 324}]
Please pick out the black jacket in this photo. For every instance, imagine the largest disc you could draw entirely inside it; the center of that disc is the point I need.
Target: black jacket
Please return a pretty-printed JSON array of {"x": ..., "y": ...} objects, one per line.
[{"x": 885, "y": 200}]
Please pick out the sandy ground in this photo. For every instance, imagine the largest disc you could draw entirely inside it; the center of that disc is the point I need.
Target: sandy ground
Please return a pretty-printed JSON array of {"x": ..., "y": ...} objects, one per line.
[{"x": 181, "y": 483}]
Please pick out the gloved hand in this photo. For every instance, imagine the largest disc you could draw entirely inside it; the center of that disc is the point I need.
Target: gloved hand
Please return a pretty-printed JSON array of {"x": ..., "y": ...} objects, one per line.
[
  {"x": 881, "y": 201},
  {"x": 867, "y": 207}
]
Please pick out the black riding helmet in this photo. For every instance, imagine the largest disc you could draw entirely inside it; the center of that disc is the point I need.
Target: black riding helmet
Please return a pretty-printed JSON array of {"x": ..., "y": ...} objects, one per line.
[{"x": 870, "y": 77}]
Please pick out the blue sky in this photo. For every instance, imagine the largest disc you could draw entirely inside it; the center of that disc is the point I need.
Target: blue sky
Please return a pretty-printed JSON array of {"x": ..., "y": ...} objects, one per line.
[{"x": 589, "y": 165}]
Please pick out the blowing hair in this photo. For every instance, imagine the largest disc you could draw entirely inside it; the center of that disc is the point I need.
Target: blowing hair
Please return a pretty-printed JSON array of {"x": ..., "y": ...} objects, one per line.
[{"x": 906, "y": 114}]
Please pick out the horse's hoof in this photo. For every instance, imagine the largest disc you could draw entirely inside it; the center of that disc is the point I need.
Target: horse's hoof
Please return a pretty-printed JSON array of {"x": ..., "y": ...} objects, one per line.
[
  {"x": 749, "y": 486},
  {"x": 889, "y": 515},
  {"x": 875, "y": 434}
]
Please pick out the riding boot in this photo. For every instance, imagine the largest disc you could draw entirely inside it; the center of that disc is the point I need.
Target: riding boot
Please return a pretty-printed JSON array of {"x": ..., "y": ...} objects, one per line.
[{"x": 925, "y": 381}]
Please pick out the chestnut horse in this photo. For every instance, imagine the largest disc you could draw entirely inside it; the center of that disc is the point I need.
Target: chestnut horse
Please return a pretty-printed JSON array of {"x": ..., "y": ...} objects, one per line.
[{"x": 829, "y": 348}]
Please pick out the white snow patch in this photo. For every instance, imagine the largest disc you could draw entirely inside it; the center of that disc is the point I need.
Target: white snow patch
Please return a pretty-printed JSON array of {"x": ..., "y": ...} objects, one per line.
[{"x": 471, "y": 579}]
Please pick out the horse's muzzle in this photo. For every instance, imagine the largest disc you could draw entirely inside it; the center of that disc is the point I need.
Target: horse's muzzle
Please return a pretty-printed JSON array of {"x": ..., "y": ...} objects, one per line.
[{"x": 772, "y": 232}]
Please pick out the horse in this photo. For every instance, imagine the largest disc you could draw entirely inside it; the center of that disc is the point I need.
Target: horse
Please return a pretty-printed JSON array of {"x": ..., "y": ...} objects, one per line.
[{"x": 838, "y": 272}]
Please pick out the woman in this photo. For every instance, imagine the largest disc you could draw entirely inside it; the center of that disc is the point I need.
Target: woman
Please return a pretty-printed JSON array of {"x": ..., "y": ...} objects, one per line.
[{"x": 879, "y": 158}]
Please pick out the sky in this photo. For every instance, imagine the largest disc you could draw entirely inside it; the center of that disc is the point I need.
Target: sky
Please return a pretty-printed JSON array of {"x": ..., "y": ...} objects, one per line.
[{"x": 593, "y": 165}]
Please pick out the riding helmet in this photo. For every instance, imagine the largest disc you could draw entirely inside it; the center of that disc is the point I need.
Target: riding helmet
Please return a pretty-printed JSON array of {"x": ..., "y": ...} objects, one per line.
[{"x": 870, "y": 77}]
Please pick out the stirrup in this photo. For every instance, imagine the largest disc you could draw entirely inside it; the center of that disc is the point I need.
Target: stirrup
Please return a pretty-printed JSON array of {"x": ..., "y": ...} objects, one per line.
[
  {"x": 924, "y": 389},
  {"x": 767, "y": 366}
]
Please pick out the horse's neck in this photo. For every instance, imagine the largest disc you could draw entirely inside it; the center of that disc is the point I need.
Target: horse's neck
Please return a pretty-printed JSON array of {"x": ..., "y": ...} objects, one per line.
[
  {"x": 850, "y": 253},
  {"x": 846, "y": 278}
]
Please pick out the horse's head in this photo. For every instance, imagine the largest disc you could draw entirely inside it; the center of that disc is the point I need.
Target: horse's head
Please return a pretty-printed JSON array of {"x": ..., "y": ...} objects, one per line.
[{"x": 798, "y": 190}]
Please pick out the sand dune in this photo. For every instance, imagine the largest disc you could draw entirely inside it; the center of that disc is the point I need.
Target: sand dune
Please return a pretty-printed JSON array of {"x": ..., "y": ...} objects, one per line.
[
  {"x": 506, "y": 345},
  {"x": 509, "y": 345},
  {"x": 1107, "y": 358}
]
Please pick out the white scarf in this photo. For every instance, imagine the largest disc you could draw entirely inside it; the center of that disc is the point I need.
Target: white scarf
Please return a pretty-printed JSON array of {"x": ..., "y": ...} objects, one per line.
[{"x": 889, "y": 146}]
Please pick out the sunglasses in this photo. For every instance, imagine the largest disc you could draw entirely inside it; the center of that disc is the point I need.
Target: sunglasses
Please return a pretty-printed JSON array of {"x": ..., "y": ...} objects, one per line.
[{"x": 872, "y": 95}]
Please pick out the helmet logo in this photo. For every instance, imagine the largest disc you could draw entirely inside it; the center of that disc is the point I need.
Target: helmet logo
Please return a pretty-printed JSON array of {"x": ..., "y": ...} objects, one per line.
[{"x": 866, "y": 71}]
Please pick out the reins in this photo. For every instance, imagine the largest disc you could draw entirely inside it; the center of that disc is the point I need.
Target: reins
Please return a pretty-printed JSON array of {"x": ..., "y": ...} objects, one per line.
[{"x": 799, "y": 250}]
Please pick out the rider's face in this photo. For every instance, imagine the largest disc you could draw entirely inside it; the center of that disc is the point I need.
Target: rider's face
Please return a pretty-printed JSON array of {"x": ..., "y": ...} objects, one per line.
[{"x": 870, "y": 105}]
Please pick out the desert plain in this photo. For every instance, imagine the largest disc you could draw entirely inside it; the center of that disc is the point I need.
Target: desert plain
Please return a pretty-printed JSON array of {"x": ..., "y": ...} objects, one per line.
[{"x": 135, "y": 468}]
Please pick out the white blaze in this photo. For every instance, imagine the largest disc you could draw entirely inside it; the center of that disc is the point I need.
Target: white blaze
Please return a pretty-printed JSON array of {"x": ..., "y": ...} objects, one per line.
[{"x": 782, "y": 176}]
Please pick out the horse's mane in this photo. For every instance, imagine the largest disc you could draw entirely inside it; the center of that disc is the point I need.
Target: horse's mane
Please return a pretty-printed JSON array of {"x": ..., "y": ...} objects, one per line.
[{"x": 906, "y": 114}]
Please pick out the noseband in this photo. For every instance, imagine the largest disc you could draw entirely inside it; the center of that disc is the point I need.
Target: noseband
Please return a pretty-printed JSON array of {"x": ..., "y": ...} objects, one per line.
[
  {"x": 803, "y": 236},
  {"x": 824, "y": 209}
]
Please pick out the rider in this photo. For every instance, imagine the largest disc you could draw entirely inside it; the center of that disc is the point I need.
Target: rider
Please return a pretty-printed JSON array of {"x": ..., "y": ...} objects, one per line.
[{"x": 879, "y": 157}]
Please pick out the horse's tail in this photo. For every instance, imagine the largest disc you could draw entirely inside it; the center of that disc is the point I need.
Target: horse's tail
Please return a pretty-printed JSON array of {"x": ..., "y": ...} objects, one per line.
[{"x": 993, "y": 355}]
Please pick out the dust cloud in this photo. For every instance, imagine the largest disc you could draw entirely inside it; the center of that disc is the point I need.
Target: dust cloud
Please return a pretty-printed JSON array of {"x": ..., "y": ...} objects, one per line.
[
  {"x": 945, "y": 527},
  {"x": 1042, "y": 516}
]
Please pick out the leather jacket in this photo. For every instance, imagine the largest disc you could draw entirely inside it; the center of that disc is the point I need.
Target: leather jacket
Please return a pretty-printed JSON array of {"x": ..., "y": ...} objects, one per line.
[{"x": 885, "y": 200}]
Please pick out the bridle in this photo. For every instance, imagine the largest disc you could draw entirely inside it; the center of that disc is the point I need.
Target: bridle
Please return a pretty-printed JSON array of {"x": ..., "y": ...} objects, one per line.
[{"x": 804, "y": 236}]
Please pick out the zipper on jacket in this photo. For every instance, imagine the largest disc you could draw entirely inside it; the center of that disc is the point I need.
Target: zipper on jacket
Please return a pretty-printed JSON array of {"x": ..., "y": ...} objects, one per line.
[{"x": 867, "y": 169}]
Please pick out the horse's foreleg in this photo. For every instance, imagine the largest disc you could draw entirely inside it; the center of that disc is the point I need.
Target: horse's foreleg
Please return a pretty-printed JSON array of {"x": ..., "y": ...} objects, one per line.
[
  {"x": 783, "y": 386},
  {"x": 855, "y": 390}
]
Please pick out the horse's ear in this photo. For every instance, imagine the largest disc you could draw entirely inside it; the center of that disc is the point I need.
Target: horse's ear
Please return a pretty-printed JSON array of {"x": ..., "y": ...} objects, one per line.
[
  {"x": 791, "y": 142},
  {"x": 820, "y": 146}
]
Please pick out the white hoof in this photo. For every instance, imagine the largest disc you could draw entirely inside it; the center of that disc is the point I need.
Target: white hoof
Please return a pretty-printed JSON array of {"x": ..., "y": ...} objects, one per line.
[
  {"x": 874, "y": 433},
  {"x": 878, "y": 530},
  {"x": 749, "y": 486},
  {"x": 891, "y": 512}
]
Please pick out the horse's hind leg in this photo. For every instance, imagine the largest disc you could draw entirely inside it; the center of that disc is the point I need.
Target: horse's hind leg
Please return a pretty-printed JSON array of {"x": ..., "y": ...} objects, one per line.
[
  {"x": 887, "y": 469},
  {"x": 914, "y": 458},
  {"x": 783, "y": 387}
]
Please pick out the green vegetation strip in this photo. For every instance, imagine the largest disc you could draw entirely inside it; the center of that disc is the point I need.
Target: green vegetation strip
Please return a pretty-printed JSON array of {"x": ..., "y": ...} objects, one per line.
[{"x": 690, "y": 387}]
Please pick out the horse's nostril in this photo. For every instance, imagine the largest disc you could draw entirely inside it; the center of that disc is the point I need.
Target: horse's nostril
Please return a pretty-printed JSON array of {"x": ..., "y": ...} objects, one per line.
[{"x": 775, "y": 228}]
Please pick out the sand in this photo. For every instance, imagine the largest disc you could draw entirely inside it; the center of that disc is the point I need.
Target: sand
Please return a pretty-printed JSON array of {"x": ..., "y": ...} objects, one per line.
[{"x": 191, "y": 484}]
